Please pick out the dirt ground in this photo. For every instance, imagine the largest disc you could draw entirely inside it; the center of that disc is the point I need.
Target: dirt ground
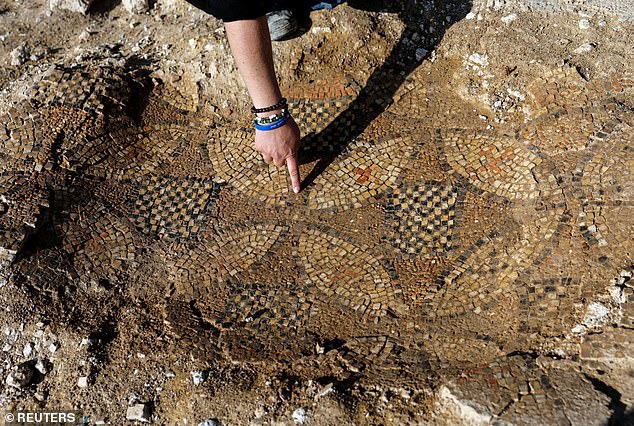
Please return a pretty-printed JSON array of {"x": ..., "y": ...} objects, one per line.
[{"x": 130, "y": 316}]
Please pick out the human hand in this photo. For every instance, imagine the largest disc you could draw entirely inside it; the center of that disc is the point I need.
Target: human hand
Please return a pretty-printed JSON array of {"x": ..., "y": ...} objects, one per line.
[{"x": 280, "y": 146}]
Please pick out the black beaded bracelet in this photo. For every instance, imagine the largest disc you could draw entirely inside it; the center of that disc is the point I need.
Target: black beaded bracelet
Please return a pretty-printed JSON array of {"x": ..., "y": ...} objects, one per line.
[{"x": 280, "y": 105}]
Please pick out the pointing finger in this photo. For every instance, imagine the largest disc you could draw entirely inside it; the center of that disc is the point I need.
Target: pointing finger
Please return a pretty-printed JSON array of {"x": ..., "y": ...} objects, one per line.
[{"x": 293, "y": 171}]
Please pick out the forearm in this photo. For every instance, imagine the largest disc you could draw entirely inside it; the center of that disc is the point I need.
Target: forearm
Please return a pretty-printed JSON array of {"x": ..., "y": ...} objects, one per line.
[{"x": 251, "y": 47}]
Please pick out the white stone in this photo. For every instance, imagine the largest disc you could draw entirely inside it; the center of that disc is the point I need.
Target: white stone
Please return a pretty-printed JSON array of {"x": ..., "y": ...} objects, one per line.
[
  {"x": 79, "y": 6},
  {"x": 596, "y": 315},
  {"x": 509, "y": 18},
  {"x": 470, "y": 15},
  {"x": 478, "y": 59},
  {"x": 449, "y": 406},
  {"x": 584, "y": 24},
  {"x": 52, "y": 348},
  {"x": 82, "y": 382},
  {"x": 326, "y": 390},
  {"x": 209, "y": 422},
  {"x": 41, "y": 366},
  {"x": 198, "y": 377},
  {"x": 28, "y": 350},
  {"x": 300, "y": 416},
  {"x": 139, "y": 412},
  {"x": 320, "y": 30},
  {"x": 136, "y": 6},
  {"x": 19, "y": 56},
  {"x": 584, "y": 48}
]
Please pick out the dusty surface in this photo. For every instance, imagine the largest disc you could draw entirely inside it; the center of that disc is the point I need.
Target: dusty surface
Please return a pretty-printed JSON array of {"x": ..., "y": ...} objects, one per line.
[{"x": 461, "y": 252}]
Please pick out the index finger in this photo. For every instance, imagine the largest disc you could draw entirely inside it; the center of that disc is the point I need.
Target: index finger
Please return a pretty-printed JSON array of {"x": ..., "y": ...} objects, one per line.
[{"x": 293, "y": 171}]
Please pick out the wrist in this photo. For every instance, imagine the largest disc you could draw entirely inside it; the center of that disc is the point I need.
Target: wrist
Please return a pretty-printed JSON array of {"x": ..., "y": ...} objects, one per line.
[
  {"x": 272, "y": 122},
  {"x": 280, "y": 105}
]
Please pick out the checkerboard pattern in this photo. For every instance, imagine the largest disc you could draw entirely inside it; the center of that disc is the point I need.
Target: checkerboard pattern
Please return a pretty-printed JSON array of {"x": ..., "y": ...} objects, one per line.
[
  {"x": 266, "y": 309},
  {"x": 173, "y": 208},
  {"x": 314, "y": 115},
  {"x": 421, "y": 218}
]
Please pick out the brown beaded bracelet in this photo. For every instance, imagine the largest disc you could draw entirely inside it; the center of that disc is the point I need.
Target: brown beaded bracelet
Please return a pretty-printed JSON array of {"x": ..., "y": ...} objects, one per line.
[{"x": 280, "y": 105}]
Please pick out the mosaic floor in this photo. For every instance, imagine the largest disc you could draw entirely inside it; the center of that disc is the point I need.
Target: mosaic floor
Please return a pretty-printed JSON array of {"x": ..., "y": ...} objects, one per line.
[{"x": 419, "y": 249}]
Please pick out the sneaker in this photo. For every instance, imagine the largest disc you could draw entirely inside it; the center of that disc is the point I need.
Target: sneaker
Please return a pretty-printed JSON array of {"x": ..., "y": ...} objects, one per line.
[
  {"x": 282, "y": 24},
  {"x": 326, "y": 4}
]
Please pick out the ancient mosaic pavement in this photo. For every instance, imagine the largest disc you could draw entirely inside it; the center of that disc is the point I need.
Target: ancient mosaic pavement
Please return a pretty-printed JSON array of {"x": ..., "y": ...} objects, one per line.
[{"x": 418, "y": 247}]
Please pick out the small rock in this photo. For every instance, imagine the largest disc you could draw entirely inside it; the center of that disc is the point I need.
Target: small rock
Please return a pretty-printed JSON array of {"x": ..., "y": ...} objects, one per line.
[
  {"x": 478, "y": 59},
  {"x": 40, "y": 396},
  {"x": 300, "y": 416},
  {"x": 596, "y": 315},
  {"x": 79, "y": 6},
  {"x": 84, "y": 35},
  {"x": 136, "y": 6},
  {"x": 52, "y": 348},
  {"x": 199, "y": 377},
  {"x": 509, "y": 18},
  {"x": 210, "y": 422},
  {"x": 139, "y": 412},
  {"x": 325, "y": 390},
  {"x": 82, "y": 382},
  {"x": 421, "y": 53},
  {"x": 21, "y": 376},
  {"x": 320, "y": 30},
  {"x": 28, "y": 350},
  {"x": 19, "y": 56},
  {"x": 405, "y": 394},
  {"x": 584, "y": 48},
  {"x": 43, "y": 366},
  {"x": 584, "y": 24},
  {"x": 170, "y": 374}
]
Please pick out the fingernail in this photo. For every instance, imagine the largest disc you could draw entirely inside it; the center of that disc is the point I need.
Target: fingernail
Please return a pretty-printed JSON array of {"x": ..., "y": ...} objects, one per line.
[{"x": 296, "y": 189}]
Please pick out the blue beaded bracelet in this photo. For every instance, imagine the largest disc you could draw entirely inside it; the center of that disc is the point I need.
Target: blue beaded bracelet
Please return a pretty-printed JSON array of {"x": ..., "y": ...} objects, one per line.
[{"x": 274, "y": 125}]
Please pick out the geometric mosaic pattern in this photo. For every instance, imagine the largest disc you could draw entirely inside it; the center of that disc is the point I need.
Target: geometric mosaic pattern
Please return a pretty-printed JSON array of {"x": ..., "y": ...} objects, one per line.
[
  {"x": 236, "y": 161},
  {"x": 493, "y": 164},
  {"x": 347, "y": 274},
  {"x": 173, "y": 208},
  {"x": 417, "y": 247},
  {"x": 316, "y": 115},
  {"x": 361, "y": 176},
  {"x": 197, "y": 266},
  {"x": 265, "y": 310},
  {"x": 421, "y": 219}
]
